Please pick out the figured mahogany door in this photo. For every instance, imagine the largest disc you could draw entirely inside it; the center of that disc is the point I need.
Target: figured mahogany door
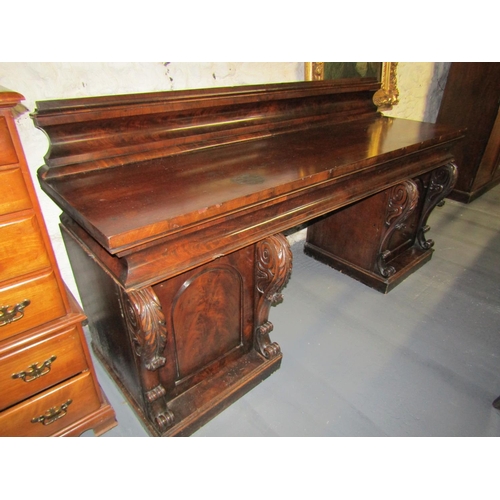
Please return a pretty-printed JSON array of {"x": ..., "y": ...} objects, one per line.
[{"x": 208, "y": 318}]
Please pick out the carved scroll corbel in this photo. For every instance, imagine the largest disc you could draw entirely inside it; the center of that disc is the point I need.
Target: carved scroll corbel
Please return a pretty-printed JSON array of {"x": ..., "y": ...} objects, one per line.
[
  {"x": 403, "y": 199},
  {"x": 273, "y": 267},
  {"x": 149, "y": 334},
  {"x": 441, "y": 182},
  {"x": 148, "y": 331}
]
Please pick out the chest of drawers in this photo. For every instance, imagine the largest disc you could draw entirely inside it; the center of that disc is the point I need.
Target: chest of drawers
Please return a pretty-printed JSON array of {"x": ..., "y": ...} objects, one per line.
[{"x": 48, "y": 385}]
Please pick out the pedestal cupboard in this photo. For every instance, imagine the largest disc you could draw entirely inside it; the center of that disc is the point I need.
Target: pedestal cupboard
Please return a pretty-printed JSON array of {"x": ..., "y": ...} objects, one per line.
[{"x": 47, "y": 382}]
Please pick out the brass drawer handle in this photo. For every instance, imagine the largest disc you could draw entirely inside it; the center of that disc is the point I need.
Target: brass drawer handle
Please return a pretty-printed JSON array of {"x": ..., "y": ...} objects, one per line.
[
  {"x": 10, "y": 314},
  {"x": 35, "y": 371},
  {"x": 52, "y": 414}
]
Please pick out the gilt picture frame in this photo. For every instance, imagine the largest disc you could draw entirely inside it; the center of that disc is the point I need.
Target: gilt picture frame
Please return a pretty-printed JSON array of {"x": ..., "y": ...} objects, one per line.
[{"x": 385, "y": 72}]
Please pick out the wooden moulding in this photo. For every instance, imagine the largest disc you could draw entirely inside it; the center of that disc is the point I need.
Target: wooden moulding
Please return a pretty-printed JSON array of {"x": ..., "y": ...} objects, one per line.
[
  {"x": 200, "y": 404},
  {"x": 99, "y": 132},
  {"x": 406, "y": 264}
]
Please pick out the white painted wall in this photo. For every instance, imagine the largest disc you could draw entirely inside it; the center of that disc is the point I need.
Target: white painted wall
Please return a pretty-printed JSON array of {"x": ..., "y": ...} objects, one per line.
[
  {"x": 42, "y": 81},
  {"x": 420, "y": 86}
]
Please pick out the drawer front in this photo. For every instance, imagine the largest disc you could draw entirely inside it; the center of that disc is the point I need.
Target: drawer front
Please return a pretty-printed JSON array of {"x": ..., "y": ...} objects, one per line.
[
  {"x": 53, "y": 410},
  {"x": 39, "y": 366},
  {"x": 22, "y": 249},
  {"x": 45, "y": 304},
  {"x": 8, "y": 154},
  {"x": 15, "y": 196}
]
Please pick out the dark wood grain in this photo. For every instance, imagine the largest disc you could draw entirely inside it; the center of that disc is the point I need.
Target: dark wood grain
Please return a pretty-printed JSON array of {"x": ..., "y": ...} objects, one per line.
[
  {"x": 174, "y": 207},
  {"x": 90, "y": 133},
  {"x": 231, "y": 178}
]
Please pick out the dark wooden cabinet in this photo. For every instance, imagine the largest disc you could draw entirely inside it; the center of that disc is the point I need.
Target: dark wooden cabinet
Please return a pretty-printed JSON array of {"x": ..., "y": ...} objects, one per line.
[
  {"x": 175, "y": 206},
  {"x": 381, "y": 239},
  {"x": 471, "y": 100},
  {"x": 47, "y": 382}
]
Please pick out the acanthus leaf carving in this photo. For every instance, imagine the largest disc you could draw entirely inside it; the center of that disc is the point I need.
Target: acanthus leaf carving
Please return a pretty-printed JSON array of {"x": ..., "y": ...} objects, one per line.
[
  {"x": 441, "y": 183},
  {"x": 403, "y": 199},
  {"x": 147, "y": 320},
  {"x": 273, "y": 268},
  {"x": 147, "y": 327}
]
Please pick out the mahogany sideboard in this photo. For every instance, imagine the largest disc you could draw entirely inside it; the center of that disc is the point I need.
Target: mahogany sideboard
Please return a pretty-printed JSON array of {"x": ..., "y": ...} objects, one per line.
[
  {"x": 48, "y": 386},
  {"x": 174, "y": 208}
]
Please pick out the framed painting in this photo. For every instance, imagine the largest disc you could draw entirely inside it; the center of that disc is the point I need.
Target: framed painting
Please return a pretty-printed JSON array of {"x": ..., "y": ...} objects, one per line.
[{"x": 384, "y": 72}]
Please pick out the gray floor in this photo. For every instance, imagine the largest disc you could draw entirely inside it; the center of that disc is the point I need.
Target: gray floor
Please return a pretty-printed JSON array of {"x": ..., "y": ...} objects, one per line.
[{"x": 420, "y": 361}]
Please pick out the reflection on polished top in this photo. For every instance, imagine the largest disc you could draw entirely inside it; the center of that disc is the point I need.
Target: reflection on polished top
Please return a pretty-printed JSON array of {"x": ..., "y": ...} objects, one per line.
[{"x": 243, "y": 148}]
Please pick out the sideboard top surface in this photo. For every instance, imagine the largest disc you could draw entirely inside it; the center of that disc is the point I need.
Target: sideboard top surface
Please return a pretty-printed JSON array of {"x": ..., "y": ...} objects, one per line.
[
  {"x": 150, "y": 199},
  {"x": 138, "y": 168}
]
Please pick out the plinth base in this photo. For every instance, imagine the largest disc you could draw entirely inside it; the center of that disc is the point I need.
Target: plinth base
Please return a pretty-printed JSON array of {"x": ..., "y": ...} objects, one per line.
[
  {"x": 198, "y": 405},
  {"x": 405, "y": 264}
]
